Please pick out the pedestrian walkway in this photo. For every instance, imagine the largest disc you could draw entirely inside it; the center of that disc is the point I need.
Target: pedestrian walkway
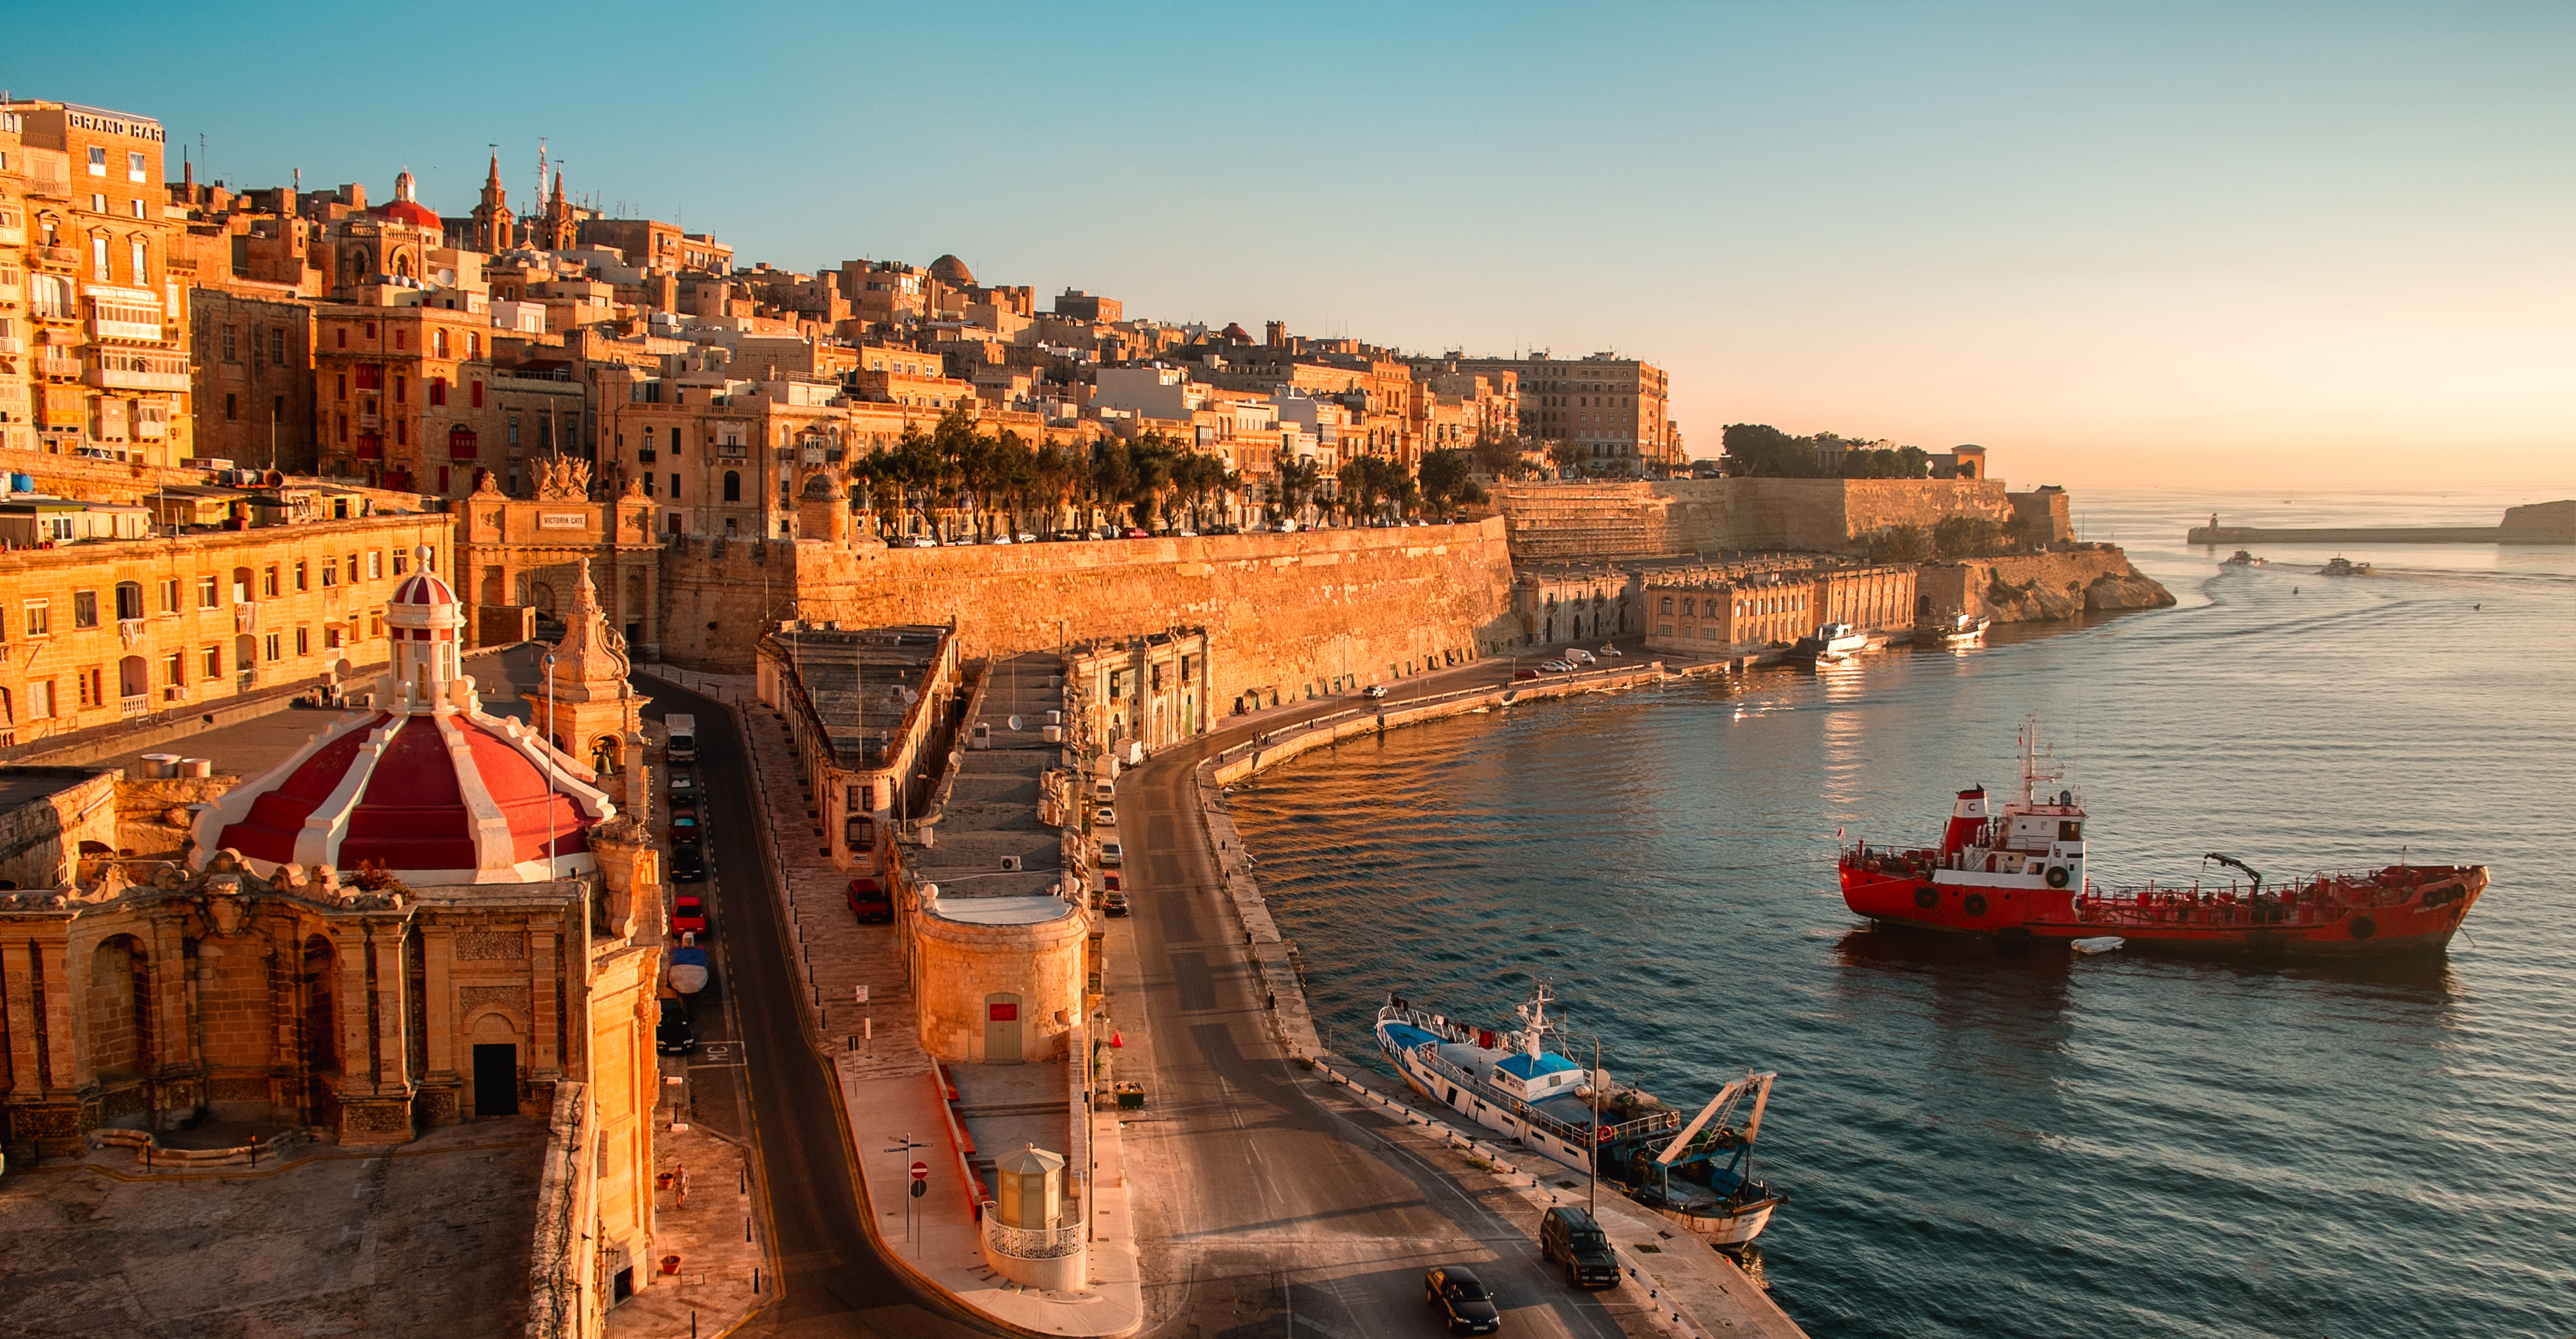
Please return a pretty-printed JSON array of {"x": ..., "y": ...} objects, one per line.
[
  {"x": 707, "y": 1272},
  {"x": 887, "y": 1081}
]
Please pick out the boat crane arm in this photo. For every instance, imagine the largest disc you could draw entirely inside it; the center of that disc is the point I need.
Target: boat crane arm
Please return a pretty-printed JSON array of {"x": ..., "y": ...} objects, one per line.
[
  {"x": 2249, "y": 869},
  {"x": 1719, "y": 1106},
  {"x": 1761, "y": 1099}
]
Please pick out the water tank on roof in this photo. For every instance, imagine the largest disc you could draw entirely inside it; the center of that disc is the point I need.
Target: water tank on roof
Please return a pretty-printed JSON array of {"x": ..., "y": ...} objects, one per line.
[{"x": 22, "y": 483}]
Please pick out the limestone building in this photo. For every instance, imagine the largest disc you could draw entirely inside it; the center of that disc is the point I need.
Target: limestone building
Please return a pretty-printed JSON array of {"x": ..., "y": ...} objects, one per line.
[
  {"x": 426, "y": 915},
  {"x": 1755, "y": 609},
  {"x": 864, "y": 707},
  {"x": 1617, "y": 410}
]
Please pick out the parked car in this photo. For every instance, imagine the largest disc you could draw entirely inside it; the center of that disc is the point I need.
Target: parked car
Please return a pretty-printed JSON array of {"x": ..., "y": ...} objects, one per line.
[
  {"x": 1460, "y": 1297},
  {"x": 1608, "y": 650},
  {"x": 674, "y": 1035},
  {"x": 870, "y": 902},
  {"x": 1106, "y": 816},
  {"x": 1521, "y": 675},
  {"x": 1134, "y": 533},
  {"x": 1375, "y": 690},
  {"x": 1109, "y": 880},
  {"x": 1109, "y": 855},
  {"x": 921, "y": 542},
  {"x": 1026, "y": 538},
  {"x": 1114, "y": 904},
  {"x": 689, "y": 914},
  {"x": 684, "y": 823},
  {"x": 1579, "y": 656},
  {"x": 1568, "y": 1235},
  {"x": 1558, "y": 667},
  {"x": 688, "y": 865},
  {"x": 684, "y": 786}
]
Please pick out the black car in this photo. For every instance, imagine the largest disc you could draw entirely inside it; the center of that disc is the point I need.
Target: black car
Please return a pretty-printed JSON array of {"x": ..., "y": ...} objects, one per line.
[
  {"x": 688, "y": 864},
  {"x": 675, "y": 1036},
  {"x": 1460, "y": 1298},
  {"x": 1569, "y": 1235}
]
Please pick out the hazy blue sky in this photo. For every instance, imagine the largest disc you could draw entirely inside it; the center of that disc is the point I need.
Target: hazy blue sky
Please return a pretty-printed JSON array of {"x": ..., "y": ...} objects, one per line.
[{"x": 2116, "y": 243}]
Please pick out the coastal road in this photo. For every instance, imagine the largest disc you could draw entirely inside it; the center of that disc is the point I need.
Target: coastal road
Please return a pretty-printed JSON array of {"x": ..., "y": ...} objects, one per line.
[
  {"x": 1265, "y": 1202},
  {"x": 834, "y": 1283}
]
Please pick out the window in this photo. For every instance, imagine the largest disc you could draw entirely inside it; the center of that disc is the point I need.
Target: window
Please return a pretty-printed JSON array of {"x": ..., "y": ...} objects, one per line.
[
  {"x": 330, "y": 636},
  {"x": 402, "y": 562},
  {"x": 514, "y": 430},
  {"x": 211, "y": 661},
  {"x": 478, "y": 395},
  {"x": 231, "y": 353},
  {"x": 473, "y": 347},
  {"x": 93, "y": 685},
  {"x": 303, "y": 641},
  {"x": 402, "y": 338},
  {"x": 1667, "y": 606},
  {"x": 140, "y": 274},
  {"x": 375, "y": 565},
  {"x": 85, "y": 609},
  {"x": 98, "y": 261},
  {"x": 675, "y": 488},
  {"x": 353, "y": 569},
  {"x": 40, "y": 699},
  {"x": 277, "y": 345},
  {"x": 340, "y": 338},
  {"x": 232, "y": 408},
  {"x": 402, "y": 388},
  {"x": 438, "y": 390},
  {"x": 169, "y": 595},
  {"x": 330, "y": 574},
  {"x": 174, "y": 669},
  {"x": 300, "y": 583},
  {"x": 97, "y": 162},
  {"x": 438, "y": 342},
  {"x": 133, "y": 166},
  {"x": 208, "y": 593},
  {"x": 40, "y": 618},
  {"x": 268, "y": 582},
  {"x": 271, "y": 649},
  {"x": 129, "y": 599}
]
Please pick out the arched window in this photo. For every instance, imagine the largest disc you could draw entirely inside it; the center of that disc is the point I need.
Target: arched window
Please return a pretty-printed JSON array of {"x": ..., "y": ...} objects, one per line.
[
  {"x": 129, "y": 599},
  {"x": 733, "y": 486},
  {"x": 1668, "y": 604},
  {"x": 438, "y": 343}
]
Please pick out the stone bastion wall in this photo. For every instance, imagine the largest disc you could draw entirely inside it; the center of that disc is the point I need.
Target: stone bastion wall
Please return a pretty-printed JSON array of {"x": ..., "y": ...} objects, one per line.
[
  {"x": 1579, "y": 522},
  {"x": 1282, "y": 611}
]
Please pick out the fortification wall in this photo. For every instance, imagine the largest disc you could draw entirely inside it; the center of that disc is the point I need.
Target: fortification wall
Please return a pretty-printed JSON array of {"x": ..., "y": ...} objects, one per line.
[
  {"x": 1282, "y": 611},
  {"x": 1608, "y": 522}
]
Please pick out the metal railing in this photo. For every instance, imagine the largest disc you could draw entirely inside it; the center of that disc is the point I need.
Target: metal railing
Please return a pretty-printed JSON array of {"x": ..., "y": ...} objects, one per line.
[
  {"x": 139, "y": 704},
  {"x": 1031, "y": 1243},
  {"x": 1384, "y": 706}
]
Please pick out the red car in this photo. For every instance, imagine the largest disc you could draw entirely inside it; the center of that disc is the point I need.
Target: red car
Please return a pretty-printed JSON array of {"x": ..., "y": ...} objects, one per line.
[
  {"x": 1134, "y": 533},
  {"x": 684, "y": 823},
  {"x": 688, "y": 914},
  {"x": 1109, "y": 881},
  {"x": 1525, "y": 674},
  {"x": 870, "y": 902}
]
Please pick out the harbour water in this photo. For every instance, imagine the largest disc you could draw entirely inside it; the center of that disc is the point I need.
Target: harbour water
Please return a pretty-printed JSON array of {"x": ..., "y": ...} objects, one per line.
[{"x": 1981, "y": 1144}]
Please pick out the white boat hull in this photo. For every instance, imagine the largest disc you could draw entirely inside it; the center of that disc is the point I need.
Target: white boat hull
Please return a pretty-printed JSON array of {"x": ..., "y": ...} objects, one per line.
[{"x": 1457, "y": 1097}]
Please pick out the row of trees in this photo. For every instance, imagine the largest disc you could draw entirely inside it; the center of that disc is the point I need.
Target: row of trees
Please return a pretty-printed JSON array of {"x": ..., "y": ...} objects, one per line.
[
  {"x": 1950, "y": 539},
  {"x": 1758, "y": 450},
  {"x": 1003, "y": 484}
]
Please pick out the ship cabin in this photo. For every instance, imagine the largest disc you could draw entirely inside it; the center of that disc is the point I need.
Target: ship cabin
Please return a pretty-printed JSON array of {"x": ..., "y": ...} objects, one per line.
[{"x": 1535, "y": 1078}]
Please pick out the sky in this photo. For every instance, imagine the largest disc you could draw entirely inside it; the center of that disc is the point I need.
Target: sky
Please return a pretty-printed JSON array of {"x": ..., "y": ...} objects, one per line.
[{"x": 2245, "y": 244}]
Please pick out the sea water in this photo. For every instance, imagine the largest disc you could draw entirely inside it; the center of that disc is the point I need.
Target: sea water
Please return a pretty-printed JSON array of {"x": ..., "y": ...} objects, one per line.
[{"x": 1979, "y": 1143}]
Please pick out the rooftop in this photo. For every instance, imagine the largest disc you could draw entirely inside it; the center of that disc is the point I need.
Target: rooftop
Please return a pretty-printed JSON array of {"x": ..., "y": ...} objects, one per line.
[{"x": 861, "y": 681}]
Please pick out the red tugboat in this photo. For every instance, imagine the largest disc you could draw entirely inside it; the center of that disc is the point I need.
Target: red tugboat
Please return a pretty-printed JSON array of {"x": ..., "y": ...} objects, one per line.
[{"x": 2018, "y": 872}]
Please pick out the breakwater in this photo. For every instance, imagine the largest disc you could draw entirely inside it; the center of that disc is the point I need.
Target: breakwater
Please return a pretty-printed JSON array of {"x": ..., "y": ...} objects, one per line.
[{"x": 2537, "y": 523}]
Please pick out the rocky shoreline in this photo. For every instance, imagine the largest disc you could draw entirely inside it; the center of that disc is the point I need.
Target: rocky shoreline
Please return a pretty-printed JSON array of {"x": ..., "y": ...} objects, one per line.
[{"x": 2045, "y": 587}]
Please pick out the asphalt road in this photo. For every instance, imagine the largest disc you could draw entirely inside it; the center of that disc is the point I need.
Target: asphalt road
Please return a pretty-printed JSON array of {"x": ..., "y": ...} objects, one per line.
[
  {"x": 834, "y": 1282},
  {"x": 1266, "y": 1203}
]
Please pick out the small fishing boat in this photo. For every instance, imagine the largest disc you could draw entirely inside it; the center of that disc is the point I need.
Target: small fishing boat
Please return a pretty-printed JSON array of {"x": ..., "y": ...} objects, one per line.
[
  {"x": 2345, "y": 567},
  {"x": 2241, "y": 558},
  {"x": 1830, "y": 643},
  {"x": 1956, "y": 630}
]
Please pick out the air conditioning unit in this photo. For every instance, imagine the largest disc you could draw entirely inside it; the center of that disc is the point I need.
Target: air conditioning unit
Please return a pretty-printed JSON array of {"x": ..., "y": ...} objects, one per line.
[{"x": 1011, "y": 863}]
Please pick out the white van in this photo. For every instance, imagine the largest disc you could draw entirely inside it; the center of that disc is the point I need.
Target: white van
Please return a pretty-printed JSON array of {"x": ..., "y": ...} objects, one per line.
[{"x": 1109, "y": 855}]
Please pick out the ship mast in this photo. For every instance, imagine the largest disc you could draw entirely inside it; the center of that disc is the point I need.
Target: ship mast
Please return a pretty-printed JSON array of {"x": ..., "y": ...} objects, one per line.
[{"x": 2032, "y": 771}]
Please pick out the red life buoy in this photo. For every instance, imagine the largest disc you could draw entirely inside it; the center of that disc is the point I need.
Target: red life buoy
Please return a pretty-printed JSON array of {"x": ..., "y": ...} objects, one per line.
[{"x": 1601, "y": 1134}]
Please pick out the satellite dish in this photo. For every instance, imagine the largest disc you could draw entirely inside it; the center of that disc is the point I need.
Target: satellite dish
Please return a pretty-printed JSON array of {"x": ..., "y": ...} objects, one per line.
[
  {"x": 344, "y": 669},
  {"x": 1015, "y": 722}
]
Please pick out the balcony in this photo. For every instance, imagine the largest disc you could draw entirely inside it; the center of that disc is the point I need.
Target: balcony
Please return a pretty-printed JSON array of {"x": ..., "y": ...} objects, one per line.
[
  {"x": 136, "y": 332},
  {"x": 245, "y": 680},
  {"x": 61, "y": 257},
  {"x": 58, "y": 365},
  {"x": 11, "y": 346},
  {"x": 138, "y": 704},
  {"x": 116, "y": 369},
  {"x": 12, "y": 295}
]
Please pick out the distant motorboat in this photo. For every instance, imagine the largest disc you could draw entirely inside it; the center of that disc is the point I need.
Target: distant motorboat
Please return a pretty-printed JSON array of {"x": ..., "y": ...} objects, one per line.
[
  {"x": 2241, "y": 558},
  {"x": 1830, "y": 643},
  {"x": 2346, "y": 567},
  {"x": 1956, "y": 630}
]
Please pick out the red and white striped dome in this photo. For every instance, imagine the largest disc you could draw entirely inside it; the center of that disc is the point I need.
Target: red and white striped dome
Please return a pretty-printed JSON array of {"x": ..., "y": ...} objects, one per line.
[
  {"x": 430, "y": 786},
  {"x": 435, "y": 797}
]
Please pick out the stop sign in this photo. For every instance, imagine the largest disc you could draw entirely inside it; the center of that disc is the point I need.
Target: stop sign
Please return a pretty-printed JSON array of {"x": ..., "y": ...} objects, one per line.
[{"x": 921, "y": 1171}]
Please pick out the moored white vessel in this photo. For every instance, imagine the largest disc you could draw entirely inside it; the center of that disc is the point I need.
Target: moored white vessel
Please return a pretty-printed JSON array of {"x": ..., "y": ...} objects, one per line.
[{"x": 1699, "y": 1175}]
